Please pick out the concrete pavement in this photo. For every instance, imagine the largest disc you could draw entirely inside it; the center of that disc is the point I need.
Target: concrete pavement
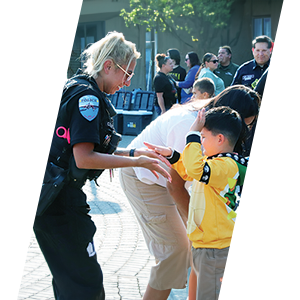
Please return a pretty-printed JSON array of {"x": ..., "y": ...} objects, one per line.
[{"x": 120, "y": 246}]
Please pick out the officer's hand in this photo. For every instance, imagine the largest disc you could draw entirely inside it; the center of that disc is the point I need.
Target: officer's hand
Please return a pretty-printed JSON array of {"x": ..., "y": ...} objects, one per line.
[
  {"x": 151, "y": 152},
  {"x": 153, "y": 165}
]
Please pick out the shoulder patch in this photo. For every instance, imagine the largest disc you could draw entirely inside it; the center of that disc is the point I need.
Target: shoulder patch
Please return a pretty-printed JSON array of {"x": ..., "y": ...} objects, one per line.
[{"x": 89, "y": 107}]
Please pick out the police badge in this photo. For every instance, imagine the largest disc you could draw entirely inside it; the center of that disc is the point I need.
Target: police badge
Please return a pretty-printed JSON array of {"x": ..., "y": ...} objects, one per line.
[{"x": 89, "y": 107}]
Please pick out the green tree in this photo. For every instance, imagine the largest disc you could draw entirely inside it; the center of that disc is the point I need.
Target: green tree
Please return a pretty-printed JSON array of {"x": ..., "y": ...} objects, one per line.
[{"x": 194, "y": 22}]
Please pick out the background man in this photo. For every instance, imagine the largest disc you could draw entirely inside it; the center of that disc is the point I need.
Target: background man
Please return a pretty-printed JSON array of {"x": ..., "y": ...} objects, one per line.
[
  {"x": 250, "y": 72},
  {"x": 226, "y": 69}
]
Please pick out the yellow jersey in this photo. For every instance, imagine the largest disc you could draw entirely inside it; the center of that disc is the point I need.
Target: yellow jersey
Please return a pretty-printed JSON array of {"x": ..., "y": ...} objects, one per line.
[{"x": 216, "y": 184}]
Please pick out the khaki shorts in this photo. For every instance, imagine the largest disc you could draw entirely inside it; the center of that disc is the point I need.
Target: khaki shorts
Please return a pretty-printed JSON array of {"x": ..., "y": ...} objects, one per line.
[
  {"x": 163, "y": 230},
  {"x": 209, "y": 266}
]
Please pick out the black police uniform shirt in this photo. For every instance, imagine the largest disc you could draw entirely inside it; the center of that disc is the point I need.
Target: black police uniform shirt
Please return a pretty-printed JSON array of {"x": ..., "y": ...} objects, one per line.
[
  {"x": 84, "y": 124},
  {"x": 260, "y": 87},
  {"x": 164, "y": 84},
  {"x": 249, "y": 73},
  {"x": 81, "y": 114}
]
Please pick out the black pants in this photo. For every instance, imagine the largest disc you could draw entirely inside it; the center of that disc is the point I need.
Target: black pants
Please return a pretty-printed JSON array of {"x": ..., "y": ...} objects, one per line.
[{"x": 65, "y": 235}]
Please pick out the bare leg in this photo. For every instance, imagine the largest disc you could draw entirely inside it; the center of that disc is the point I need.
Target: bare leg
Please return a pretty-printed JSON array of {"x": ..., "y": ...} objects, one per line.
[
  {"x": 192, "y": 285},
  {"x": 179, "y": 193},
  {"x": 152, "y": 294}
]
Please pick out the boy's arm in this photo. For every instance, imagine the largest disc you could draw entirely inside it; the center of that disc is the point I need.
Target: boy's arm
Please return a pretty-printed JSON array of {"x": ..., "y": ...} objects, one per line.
[
  {"x": 177, "y": 164},
  {"x": 192, "y": 157},
  {"x": 176, "y": 159},
  {"x": 173, "y": 157},
  {"x": 217, "y": 172}
]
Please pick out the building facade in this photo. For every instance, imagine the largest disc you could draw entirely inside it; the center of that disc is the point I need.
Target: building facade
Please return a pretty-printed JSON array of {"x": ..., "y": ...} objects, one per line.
[{"x": 249, "y": 19}]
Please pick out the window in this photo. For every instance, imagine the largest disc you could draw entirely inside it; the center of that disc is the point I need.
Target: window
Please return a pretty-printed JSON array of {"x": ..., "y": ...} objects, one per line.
[
  {"x": 85, "y": 34},
  {"x": 262, "y": 26}
]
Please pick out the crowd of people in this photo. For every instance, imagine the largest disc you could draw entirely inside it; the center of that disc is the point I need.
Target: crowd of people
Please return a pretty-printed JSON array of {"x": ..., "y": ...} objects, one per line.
[
  {"x": 183, "y": 174},
  {"x": 219, "y": 68}
]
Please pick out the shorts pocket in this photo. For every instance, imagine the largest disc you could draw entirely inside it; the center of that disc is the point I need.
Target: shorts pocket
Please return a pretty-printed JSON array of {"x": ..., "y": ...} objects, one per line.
[{"x": 156, "y": 228}]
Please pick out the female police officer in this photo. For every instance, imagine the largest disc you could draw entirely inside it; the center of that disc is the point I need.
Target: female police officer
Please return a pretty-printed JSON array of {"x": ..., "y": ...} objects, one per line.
[{"x": 82, "y": 144}]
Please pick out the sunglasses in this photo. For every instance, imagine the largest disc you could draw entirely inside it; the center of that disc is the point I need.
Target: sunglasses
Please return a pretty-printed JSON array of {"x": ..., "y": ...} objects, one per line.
[
  {"x": 129, "y": 76},
  {"x": 166, "y": 58},
  {"x": 214, "y": 61}
]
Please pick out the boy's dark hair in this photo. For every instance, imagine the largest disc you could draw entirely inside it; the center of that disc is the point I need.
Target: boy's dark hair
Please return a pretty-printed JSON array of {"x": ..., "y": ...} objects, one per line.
[
  {"x": 174, "y": 54},
  {"x": 205, "y": 85},
  {"x": 262, "y": 39},
  {"x": 226, "y": 121}
]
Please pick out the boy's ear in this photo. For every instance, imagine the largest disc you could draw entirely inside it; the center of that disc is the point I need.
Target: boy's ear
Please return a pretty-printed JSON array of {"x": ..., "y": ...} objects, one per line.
[
  {"x": 221, "y": 138},
  {"x": 205, "y": 95}
]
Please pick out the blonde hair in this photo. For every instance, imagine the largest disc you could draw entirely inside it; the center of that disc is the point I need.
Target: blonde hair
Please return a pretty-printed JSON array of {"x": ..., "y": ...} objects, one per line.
[{"x": 113, "y": 46}]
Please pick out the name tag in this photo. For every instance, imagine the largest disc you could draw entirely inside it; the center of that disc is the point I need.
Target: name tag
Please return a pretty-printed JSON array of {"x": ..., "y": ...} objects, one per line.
[{"x": 248, "y": 77}]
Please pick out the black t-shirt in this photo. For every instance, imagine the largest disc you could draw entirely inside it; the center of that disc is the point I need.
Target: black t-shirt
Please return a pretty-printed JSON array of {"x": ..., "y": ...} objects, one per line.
[
  {"x": 178, "y": 74},
  {"x": 165, "y": 84}
]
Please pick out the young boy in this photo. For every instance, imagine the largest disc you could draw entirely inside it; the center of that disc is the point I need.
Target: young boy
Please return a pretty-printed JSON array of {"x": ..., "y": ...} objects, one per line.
[
  {"x": 217, "y": 175},
  {"x": 203, "y": 88}
]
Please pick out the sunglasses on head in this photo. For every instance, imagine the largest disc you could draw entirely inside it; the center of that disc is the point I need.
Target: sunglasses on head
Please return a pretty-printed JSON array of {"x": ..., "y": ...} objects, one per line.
[{"x": 166, "y": 58}]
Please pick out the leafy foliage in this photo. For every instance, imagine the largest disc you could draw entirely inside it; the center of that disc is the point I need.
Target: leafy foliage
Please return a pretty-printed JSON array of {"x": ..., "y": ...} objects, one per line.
[{"x": 189, "y": 16}]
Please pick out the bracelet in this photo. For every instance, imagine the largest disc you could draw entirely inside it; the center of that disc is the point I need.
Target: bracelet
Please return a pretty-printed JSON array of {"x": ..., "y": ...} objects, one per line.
[{"x": 131, "y": 152}]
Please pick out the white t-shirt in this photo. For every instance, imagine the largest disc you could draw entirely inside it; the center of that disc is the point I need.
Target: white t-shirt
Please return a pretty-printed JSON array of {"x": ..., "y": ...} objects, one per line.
[{"x": 169, "y": 129}]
